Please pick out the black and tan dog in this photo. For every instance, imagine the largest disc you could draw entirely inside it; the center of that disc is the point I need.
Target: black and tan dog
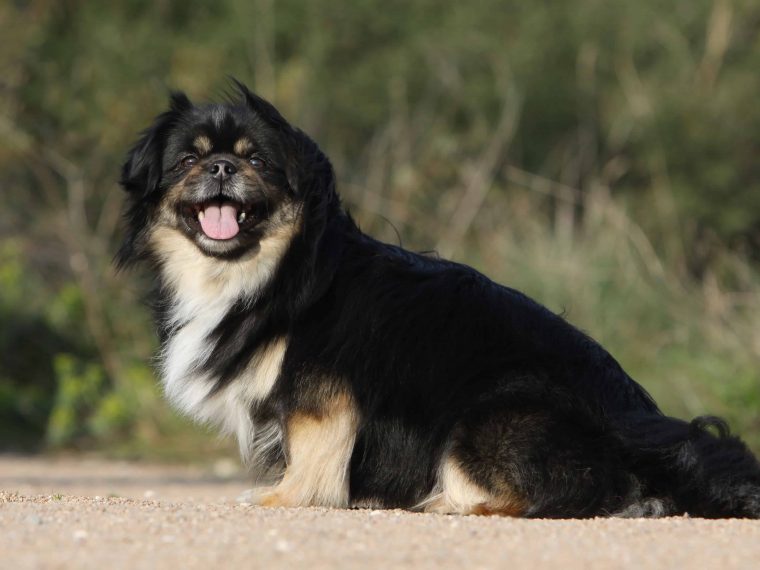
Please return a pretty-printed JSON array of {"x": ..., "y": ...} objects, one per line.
[{"x": 361, "y": 374}]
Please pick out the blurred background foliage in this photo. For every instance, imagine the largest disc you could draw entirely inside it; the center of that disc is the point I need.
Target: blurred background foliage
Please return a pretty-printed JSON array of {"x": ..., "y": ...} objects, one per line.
[{"x": 603, "y": 156}]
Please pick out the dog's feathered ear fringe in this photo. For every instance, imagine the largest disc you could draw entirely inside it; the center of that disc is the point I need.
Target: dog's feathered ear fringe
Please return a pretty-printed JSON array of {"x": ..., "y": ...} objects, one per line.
[
  {"x": 141, "y": 172},
  {"x": 307, "y": 168},
  {"x": 312, "y": 179},
  {"x": 141, "y": 175},
  {"x": 260, "y": 106}
]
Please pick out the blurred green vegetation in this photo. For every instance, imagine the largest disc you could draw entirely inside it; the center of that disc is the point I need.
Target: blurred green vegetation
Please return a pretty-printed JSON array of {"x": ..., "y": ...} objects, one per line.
[{"x": 603, "y": 156}]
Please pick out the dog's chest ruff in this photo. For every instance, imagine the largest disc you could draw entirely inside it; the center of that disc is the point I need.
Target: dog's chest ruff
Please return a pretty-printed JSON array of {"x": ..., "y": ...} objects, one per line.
[
  {"x": 200, "y": 299},
  {"x": 190, "y": 387}
]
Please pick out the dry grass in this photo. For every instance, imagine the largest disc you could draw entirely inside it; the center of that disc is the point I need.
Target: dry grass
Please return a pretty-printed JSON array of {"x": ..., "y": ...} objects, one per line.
[{"x": 693, "y": 343}]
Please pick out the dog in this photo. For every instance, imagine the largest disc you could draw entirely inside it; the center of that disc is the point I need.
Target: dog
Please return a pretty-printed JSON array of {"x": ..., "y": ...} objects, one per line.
[{"x": 355, "y": 373}]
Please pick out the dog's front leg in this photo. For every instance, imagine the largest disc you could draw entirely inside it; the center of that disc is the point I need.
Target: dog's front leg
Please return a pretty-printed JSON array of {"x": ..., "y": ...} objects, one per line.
[{"x": 318, "y": 453}]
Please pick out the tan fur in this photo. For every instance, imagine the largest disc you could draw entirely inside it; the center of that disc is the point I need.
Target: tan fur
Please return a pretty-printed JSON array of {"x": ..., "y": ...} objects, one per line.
[
  {"x": 167, "y": 216},
  {"x": 264, "y": 367},
  {"x": 202, "y": 144},
  {"x": 319, "y": 450},
  {"x": 233, "y": 404},
  {"x": 203, "y": 290},
  {"x": 193, "y": 276},
  {"x": 457, "y": 493},
  {"x": 242, "y": 147}
]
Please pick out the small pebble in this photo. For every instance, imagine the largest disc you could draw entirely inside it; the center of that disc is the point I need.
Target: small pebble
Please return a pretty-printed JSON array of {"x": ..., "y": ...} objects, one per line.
[
  {"x": 80, "y": 535},
  {"x": 282, "y": 546}
]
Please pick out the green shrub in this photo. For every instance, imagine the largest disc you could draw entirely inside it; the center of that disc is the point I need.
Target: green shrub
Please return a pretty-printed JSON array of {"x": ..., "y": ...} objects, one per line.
[{"x": 600, "y": 155}]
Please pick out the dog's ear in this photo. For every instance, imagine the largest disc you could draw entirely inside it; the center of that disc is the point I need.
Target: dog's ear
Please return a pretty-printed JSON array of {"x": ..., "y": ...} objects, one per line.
[
  {"x": 260, "y": 106},
  {"x": 141, "y": 178},
  {"x": 141, "y": 173},
  {"x": 307, "y": 169}
]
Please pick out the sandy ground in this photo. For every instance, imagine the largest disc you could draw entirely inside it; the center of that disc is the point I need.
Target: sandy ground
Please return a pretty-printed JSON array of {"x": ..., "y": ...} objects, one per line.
[{"x": 75, "y": 513}]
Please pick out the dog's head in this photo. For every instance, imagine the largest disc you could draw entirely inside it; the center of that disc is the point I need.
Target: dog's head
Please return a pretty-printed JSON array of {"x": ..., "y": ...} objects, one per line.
[{"x": 224, "y": 177}]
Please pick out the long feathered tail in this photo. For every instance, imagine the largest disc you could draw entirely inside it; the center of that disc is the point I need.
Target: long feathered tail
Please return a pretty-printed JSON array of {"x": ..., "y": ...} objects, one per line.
[{"x": 694, "y": 467}]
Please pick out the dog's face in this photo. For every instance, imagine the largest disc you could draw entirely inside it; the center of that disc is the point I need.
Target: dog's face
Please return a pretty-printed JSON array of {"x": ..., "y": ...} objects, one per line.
[
  {"x": 224, "y": 173},
  {"x": 223, "y": 176}
]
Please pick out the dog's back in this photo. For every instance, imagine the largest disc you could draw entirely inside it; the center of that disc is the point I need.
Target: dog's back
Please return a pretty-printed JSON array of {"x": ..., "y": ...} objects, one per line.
[{"x": 375, "y": 376}]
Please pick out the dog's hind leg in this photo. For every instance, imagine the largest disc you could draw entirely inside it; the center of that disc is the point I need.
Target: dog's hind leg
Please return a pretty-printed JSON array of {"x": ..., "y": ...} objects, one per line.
[
  {"x": 457, "y": 493},
  {"x": 318, "y": 452},
  {"x": 530, "y": 455}
]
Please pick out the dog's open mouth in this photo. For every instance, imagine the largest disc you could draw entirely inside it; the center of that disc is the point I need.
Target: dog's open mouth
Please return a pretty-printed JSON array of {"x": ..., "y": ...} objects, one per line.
[{"x": 219, "y": 219}]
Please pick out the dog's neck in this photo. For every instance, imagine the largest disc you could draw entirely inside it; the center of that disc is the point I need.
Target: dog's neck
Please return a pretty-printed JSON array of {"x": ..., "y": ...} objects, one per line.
[{"x": 196, "y": 283}]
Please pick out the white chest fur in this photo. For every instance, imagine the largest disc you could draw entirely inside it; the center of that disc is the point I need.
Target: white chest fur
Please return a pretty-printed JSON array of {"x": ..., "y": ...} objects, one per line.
[
  {"x": 188, "y": 387},
  {"x": 203, "y": 290}
]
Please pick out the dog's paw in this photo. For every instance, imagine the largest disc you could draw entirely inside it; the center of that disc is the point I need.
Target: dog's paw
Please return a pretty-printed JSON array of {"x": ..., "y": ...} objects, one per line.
[
  {"x": 275, "y": 499},
  {"x": 270, "y": 496}
]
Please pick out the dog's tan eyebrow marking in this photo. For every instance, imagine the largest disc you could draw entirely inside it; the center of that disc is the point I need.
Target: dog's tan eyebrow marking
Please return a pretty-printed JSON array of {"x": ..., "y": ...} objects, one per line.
[
  {"x": 202, "y": 144},
  {"x": 243, "y": 146}
]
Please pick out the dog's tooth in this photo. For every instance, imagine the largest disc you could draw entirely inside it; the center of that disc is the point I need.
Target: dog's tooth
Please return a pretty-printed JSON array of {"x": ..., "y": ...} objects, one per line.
[
  {"x": 200, "y": 215},
  {"x": 241, "y": 217}
]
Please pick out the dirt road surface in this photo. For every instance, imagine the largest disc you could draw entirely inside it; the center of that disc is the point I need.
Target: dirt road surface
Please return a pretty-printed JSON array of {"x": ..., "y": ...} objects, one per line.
[{"x": 77, "y": 513}]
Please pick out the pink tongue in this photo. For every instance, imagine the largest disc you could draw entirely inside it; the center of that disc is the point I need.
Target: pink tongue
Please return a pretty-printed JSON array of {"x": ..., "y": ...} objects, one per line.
[{"x": 220, "y": 222}]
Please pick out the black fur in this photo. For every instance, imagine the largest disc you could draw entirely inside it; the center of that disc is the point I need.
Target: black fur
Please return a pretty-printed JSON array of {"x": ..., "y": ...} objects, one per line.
[{"x": 440, "y": 359}]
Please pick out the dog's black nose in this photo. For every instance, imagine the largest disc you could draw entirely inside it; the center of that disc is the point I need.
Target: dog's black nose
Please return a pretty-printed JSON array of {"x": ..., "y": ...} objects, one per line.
[{"x": 222, "y": 169}]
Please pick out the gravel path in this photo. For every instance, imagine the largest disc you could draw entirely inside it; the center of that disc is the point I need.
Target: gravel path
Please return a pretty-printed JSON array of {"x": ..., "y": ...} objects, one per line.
[{"x": 73, "y": 513}]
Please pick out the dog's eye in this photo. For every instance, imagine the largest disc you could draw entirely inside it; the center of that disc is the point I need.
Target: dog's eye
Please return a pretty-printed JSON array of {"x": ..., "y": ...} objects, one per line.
[
  {"x": 188, "y": 161},
  {"x": 256, "y": 162}
]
